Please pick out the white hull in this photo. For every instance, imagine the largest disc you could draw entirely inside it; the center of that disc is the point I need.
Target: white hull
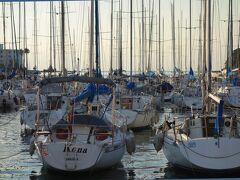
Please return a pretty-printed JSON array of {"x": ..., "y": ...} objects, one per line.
[
  {"x": 80, "y": 156},
  {"x": 193, "y": 154}
]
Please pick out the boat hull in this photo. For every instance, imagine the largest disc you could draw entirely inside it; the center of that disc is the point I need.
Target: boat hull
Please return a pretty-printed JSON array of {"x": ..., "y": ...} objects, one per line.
[{"x": 220, "y": 155}]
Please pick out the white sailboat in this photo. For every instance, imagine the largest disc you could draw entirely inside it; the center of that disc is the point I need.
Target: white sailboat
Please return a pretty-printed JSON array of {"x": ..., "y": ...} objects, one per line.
[
  {"x": 208, "y": 142},
  {"x": 79, "y": 141}
]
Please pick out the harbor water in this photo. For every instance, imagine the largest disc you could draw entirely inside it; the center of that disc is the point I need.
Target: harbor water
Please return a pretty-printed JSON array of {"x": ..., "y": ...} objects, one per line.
[{"x": 145, "y": 163}]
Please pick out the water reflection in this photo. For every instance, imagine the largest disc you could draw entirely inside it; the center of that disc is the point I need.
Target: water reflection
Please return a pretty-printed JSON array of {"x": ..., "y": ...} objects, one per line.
[{"x": 117, "y": 173}]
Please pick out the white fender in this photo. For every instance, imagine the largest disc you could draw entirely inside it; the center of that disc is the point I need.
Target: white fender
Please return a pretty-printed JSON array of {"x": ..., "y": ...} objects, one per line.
[
  {"x": 32, "y": 146},
  {"x": 130, "y": 142}
]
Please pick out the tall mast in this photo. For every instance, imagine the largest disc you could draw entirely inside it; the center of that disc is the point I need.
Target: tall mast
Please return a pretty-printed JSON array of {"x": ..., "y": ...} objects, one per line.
[
  {"x": 19, "y": 29},
  {"x": 190, "y": 32},
  {"x": 63, "y": 39},
  {"x": 50, "y": 25},
  {"x": 179, "y": 46},
  {"x": 4, "y": 25},
  {"x": 4, "y": 32},
  {"x": 230, "y": 38},
  {"x": 209, "y": 47},
  {"x": 54, "y": 39},
  {"x": 173, "y": 36},
  {"x": 25, "y": 36},
  {"x": 131, "y": 40},
  {"x": 120, "y": 37},
  {"x": 186, "y": 47},
  {"x": 159, "y": 37},
  {"x": 143, "y": 40},
  {"x": 35, "y": 37},
  {"x": 204, "y": 57},
  {"x": 200, "y": 42},
  {"x": 163, "y": 45},
  {"x": 111, "y": 48},
  {"x": 91, "y": 39},
  {"x": 97, "y": 36}
]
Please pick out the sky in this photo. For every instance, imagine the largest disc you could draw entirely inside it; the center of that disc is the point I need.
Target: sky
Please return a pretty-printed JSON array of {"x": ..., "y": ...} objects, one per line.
[{"x": 77, "y": 25}]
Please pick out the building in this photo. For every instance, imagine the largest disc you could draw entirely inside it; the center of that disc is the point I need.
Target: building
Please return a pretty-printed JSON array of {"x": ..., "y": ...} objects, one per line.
[{"x": 10, "y": 58}]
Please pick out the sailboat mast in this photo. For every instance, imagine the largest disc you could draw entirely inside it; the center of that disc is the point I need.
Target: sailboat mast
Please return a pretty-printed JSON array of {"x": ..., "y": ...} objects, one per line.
[
  {"x": 143, "y": 32},
  {"x": 111, "y": 41},
  {"x": 190, "y": 32},
  {"x": 230, "y": 38},
  {"x": 200, "y": 43},
  {"x": 91, "y": 39},
  {"x": 209, "y": 47},
  {"x": 97, "y": 37},
  {"x": 204, "y": 57},
  {"x": 163, "y": 45},
  {"x": 120, "y": 38},
  {"x": 4, "y": 25},
  {"x": 35, "y": 37},
  {"x": 19, "y": 27},
  {"x": 63, "y": 39},
  {"x": 54, "y": 39},
  {"x": 131, "y": 40},
  {"x": 50, "y": 26},
  {"x": 25, "y": 36},
  {"x": 173, "y": 36},
  {"x": 159, "y": 37}
]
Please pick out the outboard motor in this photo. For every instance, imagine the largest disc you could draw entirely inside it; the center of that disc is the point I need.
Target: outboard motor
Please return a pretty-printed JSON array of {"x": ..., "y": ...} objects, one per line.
[{"x": 130, "y": 142}]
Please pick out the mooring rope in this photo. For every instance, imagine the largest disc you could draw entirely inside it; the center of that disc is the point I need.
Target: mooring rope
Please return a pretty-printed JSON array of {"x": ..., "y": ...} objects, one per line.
[
  {"x": 12, "y": 155},
  {"x": 6, "y": 123}
]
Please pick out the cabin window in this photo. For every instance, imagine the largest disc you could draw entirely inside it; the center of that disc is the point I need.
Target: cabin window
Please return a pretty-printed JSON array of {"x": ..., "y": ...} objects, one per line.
[
  {"x": 54, "y": 102},
  {"x": 94, "y": 108}
]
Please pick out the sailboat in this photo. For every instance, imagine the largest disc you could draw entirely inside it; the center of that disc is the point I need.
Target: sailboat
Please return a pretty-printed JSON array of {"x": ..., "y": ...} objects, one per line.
[
  {"x": 230, "y": 90},
  {"x": 81, "y": 140},
  {"x": 207, "y": 142},
  {"x": 190, "y": 96}
]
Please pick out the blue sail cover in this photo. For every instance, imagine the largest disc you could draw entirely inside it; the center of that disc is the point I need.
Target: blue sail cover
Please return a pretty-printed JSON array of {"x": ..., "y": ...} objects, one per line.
[
  {"x": 229, "y": 71},
  {"x": 12, "y": 75},
  {"x": 235, "y": 81},
  {"x": 131, "y": 85},
  {"x": 166, "y": 86},
  {"x": 90, "y": 91},
  {"x": 191, "y": 74},
  {"x": 218, "y": 120}
]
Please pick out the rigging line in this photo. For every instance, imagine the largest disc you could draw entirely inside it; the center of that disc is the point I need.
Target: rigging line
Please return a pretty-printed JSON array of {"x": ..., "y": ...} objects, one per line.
[
  {"x": 6, "y": 123},
  {"x": 1, "y": 158}
]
